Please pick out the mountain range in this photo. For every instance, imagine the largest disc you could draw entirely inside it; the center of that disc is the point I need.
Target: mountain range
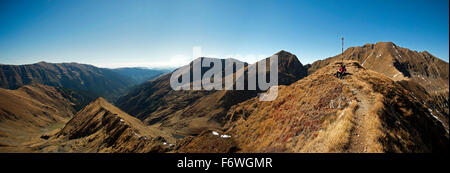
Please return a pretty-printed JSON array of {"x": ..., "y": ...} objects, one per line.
[
  {"x": 140, "y": 74},
  {"x": 191, "y": 112},
  {"x": 108, "y": 83},
  {"x": 391, "y": 99}
]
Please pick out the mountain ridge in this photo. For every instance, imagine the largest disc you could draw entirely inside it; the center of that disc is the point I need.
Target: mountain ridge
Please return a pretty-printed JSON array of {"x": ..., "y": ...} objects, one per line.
[
  {"x": 364, "y": 112},
  {"x": 80, "y": 77},
  {"x": 391, "y": 99},
  {"x": 190, "y": 112},
  {"x": 396, "y": 62},
  {"x": 101, "y": 127}
]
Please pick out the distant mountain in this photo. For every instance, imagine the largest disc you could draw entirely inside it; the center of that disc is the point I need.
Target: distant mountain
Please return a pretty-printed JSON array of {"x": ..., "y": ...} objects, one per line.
[
  {"x": 190, "y": 112},
  {"x": 101, "y": 127},
  {"x": 79, "y": 77},
  {"x": 364, "y": 112},
  {"x": 140, "y": 74},
  {"x": 79, "y": 99}
]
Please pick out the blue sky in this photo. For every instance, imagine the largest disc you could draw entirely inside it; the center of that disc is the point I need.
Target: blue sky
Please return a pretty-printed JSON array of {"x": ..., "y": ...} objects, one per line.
[{"x": 163, "y": 33}]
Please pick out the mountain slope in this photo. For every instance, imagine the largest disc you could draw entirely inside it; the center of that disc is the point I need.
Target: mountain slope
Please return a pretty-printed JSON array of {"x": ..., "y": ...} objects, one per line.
[
  {"x": 27, "y": 111},
  {"x": 79, "y": 77},
  {"x": 190, "y": 112},
  {"x": 424, "y": 75},
  {"x": 364, "y": 112},
  {"x": 101, "y": 127},
  {"x": 397, "y": 63}
]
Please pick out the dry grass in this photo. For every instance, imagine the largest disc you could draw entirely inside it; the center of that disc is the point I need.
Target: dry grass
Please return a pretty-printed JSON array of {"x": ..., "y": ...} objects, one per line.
[
  {"x": 206, "y": 142},
  {"x": 298, "y": 115},
  {"x": 337, "y": 136},
  {"x": 376, "y": 115},
  {"x": 373, "y": 124},
  {"x": 26, "y": 111}
]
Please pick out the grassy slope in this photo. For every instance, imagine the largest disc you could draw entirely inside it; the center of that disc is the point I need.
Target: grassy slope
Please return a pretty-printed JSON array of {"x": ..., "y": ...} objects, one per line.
[{"x": 376, "y": 114}]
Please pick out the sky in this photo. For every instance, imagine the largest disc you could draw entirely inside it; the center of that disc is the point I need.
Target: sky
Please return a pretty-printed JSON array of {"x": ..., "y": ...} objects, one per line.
[{"x": 169, "y": 33}]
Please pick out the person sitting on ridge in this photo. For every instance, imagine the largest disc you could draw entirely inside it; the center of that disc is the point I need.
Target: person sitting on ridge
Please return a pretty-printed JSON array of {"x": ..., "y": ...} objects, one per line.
[{"x": 341, "y": 72}]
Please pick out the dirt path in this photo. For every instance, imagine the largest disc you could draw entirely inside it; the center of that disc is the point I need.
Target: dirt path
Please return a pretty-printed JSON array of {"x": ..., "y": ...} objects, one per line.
[{"x": 358, "y": 134}]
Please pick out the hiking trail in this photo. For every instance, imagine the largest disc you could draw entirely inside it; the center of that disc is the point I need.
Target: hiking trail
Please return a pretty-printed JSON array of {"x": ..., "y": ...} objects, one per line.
[{"x": 358, "y": 133}]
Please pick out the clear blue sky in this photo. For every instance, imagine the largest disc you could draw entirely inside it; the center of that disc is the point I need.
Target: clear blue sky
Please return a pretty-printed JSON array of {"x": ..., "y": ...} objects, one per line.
[{"x": 155, "y": 33}]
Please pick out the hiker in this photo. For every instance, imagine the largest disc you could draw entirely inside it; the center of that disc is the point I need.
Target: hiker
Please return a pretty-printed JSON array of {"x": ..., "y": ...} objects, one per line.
[{"x": 341, "y": 72}]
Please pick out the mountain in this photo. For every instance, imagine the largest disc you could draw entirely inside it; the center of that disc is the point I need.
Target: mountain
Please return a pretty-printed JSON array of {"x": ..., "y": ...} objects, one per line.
[
  {"x": 101, "y": 127},
  {"x": 391, "y": 100},
  {"x": 140, "y": 74},
  {"x": 424, "y": 75},
  {"x": 397, "y": 63},
  {"x": 27, "y": 111},
  {"x": 190, "y": 112},
  {"x": 78, "y": 99},
  {"x": 74, "y": 76},
  {"x": 364, "y": 112}
]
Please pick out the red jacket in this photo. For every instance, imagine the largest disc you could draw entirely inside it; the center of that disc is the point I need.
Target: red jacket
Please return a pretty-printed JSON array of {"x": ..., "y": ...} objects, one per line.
[{"x": 341, "y": 69}]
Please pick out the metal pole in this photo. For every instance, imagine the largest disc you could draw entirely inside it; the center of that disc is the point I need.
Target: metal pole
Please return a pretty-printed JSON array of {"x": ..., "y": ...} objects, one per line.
[{"x": 342, "y": 51}]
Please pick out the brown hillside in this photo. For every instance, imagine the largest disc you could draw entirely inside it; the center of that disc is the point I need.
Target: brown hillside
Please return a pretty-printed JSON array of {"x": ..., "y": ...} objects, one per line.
[
  {"x": 206, "y": 142},
  {"x": 364, "y": 112},
  {"x": 424, "y": 75},
  {"x": 27, "y": 112},
  {"x": 190, "y": 112},
  {"x": 397, "y": 63},
  {"x": 101, "y": 127}
]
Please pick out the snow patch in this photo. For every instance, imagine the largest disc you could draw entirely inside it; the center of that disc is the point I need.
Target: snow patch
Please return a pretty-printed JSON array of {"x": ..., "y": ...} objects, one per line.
[
  {"x": 225, "y": 136},
  {"x": 436, "y": 117},
  {"x": 222, "y": 136},
  {"x": 341, "y": 114},
  {"x": 364, "y": 61}
]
